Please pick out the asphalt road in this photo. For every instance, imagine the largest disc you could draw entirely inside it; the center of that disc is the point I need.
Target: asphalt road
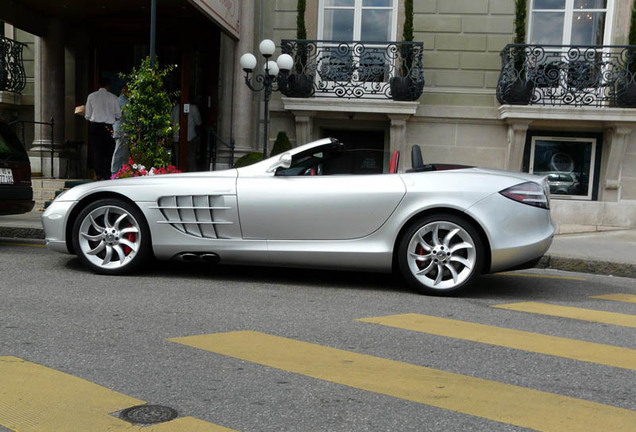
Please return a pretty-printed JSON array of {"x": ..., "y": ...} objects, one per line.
[{"x": 292, "y": 350}]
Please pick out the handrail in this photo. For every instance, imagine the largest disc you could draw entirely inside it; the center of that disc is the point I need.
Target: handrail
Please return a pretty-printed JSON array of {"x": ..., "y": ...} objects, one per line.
[{"x": 214, "y": 149}]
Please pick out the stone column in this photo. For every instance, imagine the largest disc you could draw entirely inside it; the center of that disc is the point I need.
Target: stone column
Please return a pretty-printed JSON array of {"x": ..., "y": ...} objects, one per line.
[
  {"x": 50, "y": 72},
  {"x": 243, "y": 126},
  {"x": 618, "y": 144},
  {"x": 397, "y": 138},
  {"x": 304, "y": 126},
  {"x": 516, "y": 143}
]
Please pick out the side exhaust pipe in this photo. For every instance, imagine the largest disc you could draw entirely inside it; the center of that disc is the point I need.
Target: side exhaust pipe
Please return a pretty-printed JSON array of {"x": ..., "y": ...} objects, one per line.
[{"x": 198, "y": 257}]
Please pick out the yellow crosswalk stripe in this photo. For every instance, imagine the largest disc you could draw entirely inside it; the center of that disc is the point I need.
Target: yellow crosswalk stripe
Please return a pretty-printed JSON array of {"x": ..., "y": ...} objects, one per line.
[
  {"x": 589, "y": 315},
  {"x": 625, "y": 298},
  {"x": 541, "y": 276},
  {"x": 34, "y": 398},
  {"x": 492, "y": 400},
  {"x": 533, "y": 342}
]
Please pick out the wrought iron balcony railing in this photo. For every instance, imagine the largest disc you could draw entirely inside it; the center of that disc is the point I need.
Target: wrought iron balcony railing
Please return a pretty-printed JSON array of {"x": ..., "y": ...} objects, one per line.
[
  {"x": 325, "y": 68},
  {"x": 12, "y": 75},
  {"x": 567, "y": 75}
]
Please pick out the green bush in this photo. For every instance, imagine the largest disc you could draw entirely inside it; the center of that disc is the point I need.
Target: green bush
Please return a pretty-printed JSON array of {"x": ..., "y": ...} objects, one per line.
[
  {"x": 248, "y": 159},
  {"x": 281, "y": 145}
]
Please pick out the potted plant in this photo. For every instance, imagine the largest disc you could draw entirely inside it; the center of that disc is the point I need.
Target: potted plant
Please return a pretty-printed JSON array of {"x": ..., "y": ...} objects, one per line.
[
  {"x": 147, "y": 125},
  {"x": 409, "y": 84},
  {"x": 514, "y": 86},
  {"x": 300, "y": 82},
  {"x": 626, "y": 81}
]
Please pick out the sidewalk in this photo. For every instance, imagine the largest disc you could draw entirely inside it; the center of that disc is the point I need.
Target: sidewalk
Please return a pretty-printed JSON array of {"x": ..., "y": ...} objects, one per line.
[{"x": 603, "y": 252}]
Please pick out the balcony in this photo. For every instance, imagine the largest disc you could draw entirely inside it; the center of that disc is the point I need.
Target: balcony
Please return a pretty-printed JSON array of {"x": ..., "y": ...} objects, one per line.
[
  {"x": 567, "y": 75},
  {"x": 12, "y": 75},
  {"x": 380, "y": 70}
]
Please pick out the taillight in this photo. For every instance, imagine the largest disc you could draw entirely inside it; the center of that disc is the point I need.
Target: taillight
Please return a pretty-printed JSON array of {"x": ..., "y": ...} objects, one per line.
[{"x": 528, "y": 193}]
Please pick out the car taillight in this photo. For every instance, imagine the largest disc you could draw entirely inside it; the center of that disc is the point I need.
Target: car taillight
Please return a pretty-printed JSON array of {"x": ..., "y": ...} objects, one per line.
[{"x": 528, "y": 193}]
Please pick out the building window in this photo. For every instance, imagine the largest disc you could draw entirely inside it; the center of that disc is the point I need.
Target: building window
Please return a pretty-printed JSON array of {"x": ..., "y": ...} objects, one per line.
[
  {"x": 570, "y": 22},
  {"x": 359, "y": 20},
  {"x": 570, "y": 162}
]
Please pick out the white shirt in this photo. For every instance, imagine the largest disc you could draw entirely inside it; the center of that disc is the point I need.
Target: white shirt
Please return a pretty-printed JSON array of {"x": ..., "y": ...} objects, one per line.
[
  {"x": 102, "y": 107},
  {"x": 194, "y": 119}
]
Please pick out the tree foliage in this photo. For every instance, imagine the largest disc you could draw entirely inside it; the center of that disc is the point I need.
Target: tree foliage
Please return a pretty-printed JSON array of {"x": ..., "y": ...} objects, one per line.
[{"x": 147, "y": 124}]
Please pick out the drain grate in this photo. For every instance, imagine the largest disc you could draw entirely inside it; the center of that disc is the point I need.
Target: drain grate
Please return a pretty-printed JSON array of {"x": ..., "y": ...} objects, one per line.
[{"x": 148, "y": 414}]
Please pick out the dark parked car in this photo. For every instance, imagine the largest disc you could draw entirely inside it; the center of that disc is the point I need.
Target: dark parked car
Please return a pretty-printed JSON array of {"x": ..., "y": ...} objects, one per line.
[{"x": 16, "y": 192}]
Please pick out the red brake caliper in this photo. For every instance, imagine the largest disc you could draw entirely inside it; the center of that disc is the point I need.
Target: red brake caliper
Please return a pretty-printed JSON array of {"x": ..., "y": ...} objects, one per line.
[
  {"x": 420, "y": 251},
  {"x": 131, "y": 237}
]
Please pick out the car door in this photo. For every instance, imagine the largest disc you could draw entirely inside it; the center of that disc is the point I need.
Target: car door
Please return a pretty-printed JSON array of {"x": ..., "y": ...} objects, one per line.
[{"x": 329, "y": 207}]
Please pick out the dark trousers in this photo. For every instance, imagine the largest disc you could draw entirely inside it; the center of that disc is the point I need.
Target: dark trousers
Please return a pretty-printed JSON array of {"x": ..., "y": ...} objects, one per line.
[{"x": 103, "y": 143}]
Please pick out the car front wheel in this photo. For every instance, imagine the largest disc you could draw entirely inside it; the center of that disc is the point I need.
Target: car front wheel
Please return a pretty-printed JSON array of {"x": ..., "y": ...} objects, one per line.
[
  {"x": 440, "y": 254},
  {"x": 110, "y": 236}
]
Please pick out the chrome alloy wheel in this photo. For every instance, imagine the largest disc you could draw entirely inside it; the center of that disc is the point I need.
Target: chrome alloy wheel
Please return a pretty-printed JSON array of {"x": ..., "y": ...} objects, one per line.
[
  {"x": 441, "y": 255},
  {"x": 109, "y": 237}
]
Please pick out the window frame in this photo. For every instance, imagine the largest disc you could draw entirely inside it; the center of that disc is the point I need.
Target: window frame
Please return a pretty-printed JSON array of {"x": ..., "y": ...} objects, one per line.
[
  {"x": 596, "y": 139},
  {"x": 569, "y": 11},
  {"x": 357, "y": 18}
]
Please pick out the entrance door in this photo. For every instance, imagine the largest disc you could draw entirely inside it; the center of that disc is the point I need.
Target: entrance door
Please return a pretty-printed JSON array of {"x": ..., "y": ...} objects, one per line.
[{"x": 365, "y": 151}]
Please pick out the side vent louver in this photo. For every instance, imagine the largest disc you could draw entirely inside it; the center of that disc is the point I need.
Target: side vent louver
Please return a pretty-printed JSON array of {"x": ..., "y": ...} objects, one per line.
[{"x": 197, "y": 215}]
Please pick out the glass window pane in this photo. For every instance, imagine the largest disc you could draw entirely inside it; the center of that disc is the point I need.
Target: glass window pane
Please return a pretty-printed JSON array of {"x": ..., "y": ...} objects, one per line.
[
  {"x": 549, "y": 4},
  {"x": 590, "y": 4},
  {"x": 547, "y": 28},
  {"x": 567, "y": 165},
  {"x": 376, "y": 25},
  {"x": 338, "y": 25},
  {"x": 377, "y": 3},
  {"x": 346, "y": 3},
  {"x": 588, "y": 28}
]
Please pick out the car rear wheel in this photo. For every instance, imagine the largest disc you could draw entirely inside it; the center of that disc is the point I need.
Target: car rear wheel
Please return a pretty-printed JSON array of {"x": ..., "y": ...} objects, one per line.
[
  {"x": 440, "y": 254},
  {"x": 110, "y": 236}
]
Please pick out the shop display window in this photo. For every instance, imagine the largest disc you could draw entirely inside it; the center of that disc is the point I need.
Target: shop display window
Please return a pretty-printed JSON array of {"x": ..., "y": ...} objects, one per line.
[{"x": 569, "y": 162}]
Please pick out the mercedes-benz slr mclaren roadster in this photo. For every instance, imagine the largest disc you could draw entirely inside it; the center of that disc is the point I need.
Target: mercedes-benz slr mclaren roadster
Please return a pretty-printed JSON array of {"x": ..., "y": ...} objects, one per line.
[{"x": 439, "y": 225}]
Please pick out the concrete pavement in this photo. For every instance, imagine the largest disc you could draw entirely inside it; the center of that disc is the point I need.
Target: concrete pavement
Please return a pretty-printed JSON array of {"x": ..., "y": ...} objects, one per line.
[{"x": 600, "y": 252}]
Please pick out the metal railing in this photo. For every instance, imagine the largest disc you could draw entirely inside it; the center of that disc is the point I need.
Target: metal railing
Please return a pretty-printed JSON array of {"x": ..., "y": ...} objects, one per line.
[
  {"x": 12, "y": 74},
  {"x": 325, "y": 68},
  {"x": 575, "y": 75},
  {"x": 212, "y": 150}
]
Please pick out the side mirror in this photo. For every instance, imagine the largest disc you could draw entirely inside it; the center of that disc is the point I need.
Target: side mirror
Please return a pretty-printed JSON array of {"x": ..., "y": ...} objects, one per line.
[{"x": 284, "y": 161}]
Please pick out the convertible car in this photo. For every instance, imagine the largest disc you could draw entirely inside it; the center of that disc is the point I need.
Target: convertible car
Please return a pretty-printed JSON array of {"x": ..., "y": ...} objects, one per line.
[{"x": 440, "y": 226}]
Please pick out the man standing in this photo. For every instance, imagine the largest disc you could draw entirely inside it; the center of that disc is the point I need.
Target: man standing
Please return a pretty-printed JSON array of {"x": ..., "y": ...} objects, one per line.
[{"x": 102, "y": 111}]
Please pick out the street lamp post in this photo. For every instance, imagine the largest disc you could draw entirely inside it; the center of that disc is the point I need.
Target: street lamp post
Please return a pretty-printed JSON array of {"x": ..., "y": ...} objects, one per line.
[{"x": 267, "y": 81}]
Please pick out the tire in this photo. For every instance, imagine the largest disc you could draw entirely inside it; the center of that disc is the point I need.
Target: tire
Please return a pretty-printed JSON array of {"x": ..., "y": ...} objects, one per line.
[
  {"x": 111, "y": 237},
  {"x": 440, "y": 254}
]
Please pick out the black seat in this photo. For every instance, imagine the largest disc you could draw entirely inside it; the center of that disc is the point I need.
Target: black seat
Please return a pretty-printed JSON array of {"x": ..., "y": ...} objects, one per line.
[
  {"x": 416, "y": 158},
  {"x": 417, "y": 162}
]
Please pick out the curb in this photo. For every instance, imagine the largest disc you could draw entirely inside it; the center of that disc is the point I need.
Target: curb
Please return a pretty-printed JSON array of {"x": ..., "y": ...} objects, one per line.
[
  {"x": 580, "y": 265},
  {"x": 22, "y": 233}
]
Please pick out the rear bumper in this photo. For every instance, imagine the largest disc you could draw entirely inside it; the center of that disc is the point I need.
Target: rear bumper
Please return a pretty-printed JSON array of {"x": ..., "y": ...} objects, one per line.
[{"x": 18, "y": 206}]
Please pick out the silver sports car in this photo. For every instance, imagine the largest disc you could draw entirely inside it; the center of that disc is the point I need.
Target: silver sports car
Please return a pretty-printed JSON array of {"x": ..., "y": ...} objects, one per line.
[{"x": 440, "y": 226}]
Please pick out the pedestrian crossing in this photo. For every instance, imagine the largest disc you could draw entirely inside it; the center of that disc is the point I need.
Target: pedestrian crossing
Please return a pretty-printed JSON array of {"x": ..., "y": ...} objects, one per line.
[
  {"x": 32, "y": 396},
  {"x": 574, "y": 313}
]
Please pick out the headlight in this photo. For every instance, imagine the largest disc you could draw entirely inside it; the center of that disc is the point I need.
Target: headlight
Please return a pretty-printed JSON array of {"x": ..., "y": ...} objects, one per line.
[{"x": 529, "y": 193}]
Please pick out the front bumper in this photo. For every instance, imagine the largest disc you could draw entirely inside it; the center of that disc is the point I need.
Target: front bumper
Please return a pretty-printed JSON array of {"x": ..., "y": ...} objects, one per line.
[{"x": 54, "y": 220}]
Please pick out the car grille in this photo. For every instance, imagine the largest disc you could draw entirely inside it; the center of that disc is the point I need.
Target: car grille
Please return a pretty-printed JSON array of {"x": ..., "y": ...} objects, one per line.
[{"x": 197, "y": 215}]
